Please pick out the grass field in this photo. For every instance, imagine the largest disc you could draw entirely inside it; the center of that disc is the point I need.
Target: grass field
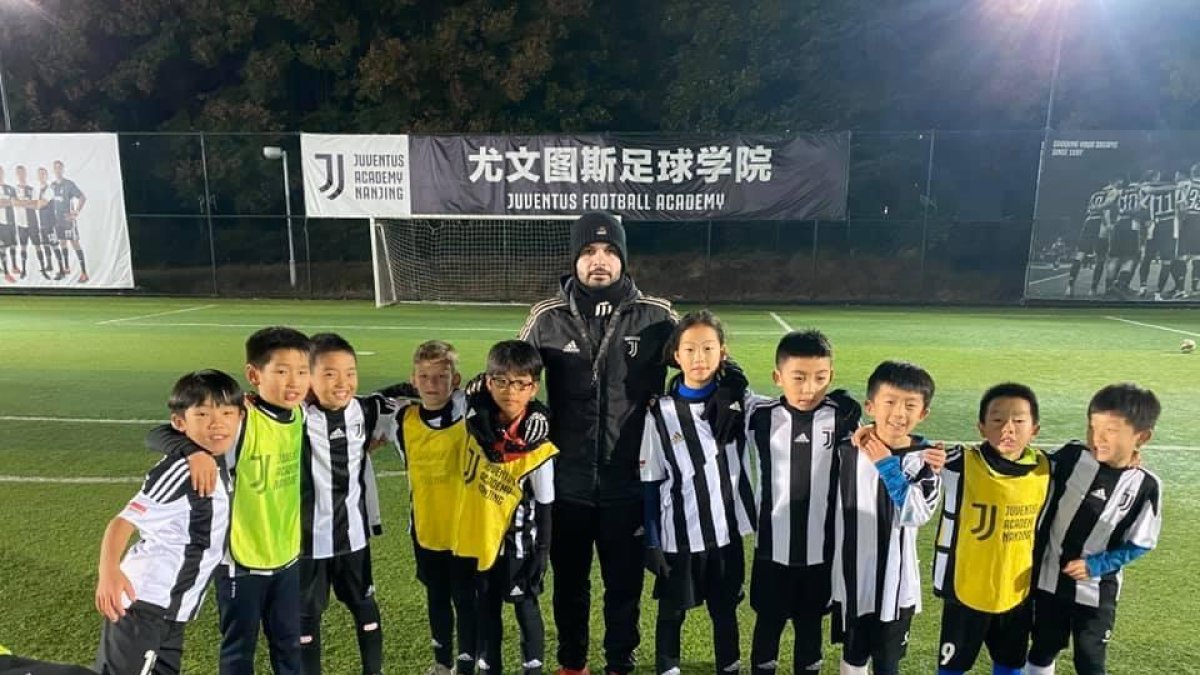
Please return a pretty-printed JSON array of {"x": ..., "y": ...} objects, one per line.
[{"x": 82, "y": 379}]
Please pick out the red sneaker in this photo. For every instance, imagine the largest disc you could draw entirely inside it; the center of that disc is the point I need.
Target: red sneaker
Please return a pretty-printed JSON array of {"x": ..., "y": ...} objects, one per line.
[{"x": 83, "y": 278}]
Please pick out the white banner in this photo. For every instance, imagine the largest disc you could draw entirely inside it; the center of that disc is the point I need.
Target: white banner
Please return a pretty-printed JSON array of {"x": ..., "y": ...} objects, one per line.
[
  {"x": 62, "y": 212},
  {"x": 356, "y": 176}
]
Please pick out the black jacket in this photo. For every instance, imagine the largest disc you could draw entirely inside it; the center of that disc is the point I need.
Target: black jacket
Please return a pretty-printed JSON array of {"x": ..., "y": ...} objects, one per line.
[{"x": 598, "y": 402}]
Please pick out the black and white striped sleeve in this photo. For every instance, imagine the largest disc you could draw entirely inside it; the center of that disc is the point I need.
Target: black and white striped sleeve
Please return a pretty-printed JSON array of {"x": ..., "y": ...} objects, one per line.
[{"x": 162, "y": 490}]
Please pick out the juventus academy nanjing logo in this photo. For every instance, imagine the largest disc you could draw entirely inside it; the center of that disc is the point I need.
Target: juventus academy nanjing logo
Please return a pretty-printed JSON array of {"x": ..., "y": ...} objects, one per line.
[
  {"x": 986, "y": 526},
  {"x": 335, "y": 181},
  {"x": 631, "y": 346}
]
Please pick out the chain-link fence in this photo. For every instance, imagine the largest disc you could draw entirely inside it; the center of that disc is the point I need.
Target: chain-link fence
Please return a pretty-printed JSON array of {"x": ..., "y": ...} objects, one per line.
[{"x": 932, "y": 217}]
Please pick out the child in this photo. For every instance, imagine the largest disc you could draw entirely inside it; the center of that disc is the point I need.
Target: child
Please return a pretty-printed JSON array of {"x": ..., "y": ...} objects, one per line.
[
  {"x": 505, "y": 513},
  {"x": 339, "y": 501},
  {"x": 259, "y": 580},
  {"x": 158, "y": 587},
  {"x": 885, "y": 491},
  {"x": 432, "y": 439},
  {"x": 983, "y": 558},
  {"x": 1105, "y": 512},
  {"x": 794, "y": 439},
  {"x": 699, "y": 500}
]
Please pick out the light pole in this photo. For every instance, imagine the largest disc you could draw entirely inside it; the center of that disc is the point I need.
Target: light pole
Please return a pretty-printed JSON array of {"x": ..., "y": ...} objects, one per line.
[
  {"x": 276, "y": 152},
  {"x": 4, "y": 96}
]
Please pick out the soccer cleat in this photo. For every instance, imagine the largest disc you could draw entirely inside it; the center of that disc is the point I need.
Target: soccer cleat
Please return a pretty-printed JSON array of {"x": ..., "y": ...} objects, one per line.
[
  {"x": 1158, "y": 296},
  {"x": 439, "y": 669},
  {"x": 83, "y": 278},
  {"x": 1179, "y": 295},
  {"x": 571, "y": 671},
  {"x": 9, "y": 278},
  {"x": 1143, "y": 292}
]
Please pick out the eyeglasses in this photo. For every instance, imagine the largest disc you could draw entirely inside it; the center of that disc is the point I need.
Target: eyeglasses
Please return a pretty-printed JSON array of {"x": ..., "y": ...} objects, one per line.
[{"x": 515, "y": 385}]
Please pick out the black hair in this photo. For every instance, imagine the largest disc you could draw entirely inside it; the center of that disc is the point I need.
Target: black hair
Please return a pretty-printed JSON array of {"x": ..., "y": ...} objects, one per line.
[
  {"x": 904, "y": 376},
  {"x": 327, "y": 343},
  {"x": 1009, "y": 390},
  {"x": 514, "y": 356},
  {"x": 1138, "y": 406},
  {"x": 265, "y": 342},
  {"x": 202, "y": 386},
  {"x": 809, "y": 343},
  {"x": 701, "y": 317}
]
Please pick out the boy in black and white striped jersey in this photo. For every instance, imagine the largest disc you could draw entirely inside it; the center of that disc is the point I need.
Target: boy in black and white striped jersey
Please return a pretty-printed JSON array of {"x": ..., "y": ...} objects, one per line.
[
  {"x": 339, "y": 500},
  {"x": 148, "y": 597},
  {"x": 1104, "y": 512},
  {"x": 885, "y": 491},
  {"x": 699, "y": 500},
  {"x": 793, "y": 441}
]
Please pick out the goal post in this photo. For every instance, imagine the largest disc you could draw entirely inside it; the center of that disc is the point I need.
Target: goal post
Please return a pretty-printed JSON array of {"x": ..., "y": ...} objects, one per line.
[{"x": 493, "y": 259}]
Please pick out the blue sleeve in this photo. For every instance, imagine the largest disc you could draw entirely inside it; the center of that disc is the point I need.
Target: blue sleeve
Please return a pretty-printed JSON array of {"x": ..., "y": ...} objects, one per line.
[
  {"x": 1107, "y": 562},
  {"x": 894, "y": 479},
  {"x": 652, "y": 514}
]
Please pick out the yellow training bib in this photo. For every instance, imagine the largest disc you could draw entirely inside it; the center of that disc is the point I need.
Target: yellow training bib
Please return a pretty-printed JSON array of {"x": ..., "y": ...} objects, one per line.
[
  {"x": 997, "y": 521},
  {"x": 434, "y": 458},
  {"x": 492, "y": 491}
]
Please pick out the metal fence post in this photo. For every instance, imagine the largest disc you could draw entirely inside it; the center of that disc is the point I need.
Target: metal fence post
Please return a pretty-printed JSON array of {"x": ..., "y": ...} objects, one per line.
[
  {"x": 212, "y": 245},
  {"x": 925, "y": 209},
  {"x": 308, "y": 257}
]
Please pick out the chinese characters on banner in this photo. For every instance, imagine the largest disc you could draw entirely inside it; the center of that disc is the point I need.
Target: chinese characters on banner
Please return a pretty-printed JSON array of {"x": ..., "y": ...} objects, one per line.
[{"x": 639, "y": 177}]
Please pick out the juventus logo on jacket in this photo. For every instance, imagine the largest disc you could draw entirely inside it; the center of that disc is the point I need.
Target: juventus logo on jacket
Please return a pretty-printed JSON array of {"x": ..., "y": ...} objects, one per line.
[{"x": 604, "y": 308}]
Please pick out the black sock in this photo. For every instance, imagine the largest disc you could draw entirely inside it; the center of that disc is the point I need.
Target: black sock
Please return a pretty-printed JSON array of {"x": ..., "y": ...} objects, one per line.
[
  {"x": 1178, "y": 270},
  {"x": 370, "y": 637},
  {"x": 41, "y": 256},
  {"x": 4, "y": 261},
  {"x": 1164, "y": 273},
  {"x": 1144, "y": 269},
  {"x": 1075, "y": 265},
  {"x": 310, "y": 644},
  {"x": 24, "y": 260},
  {"x": 82, "y": 262},
  {"x": 65, "y": 258}
]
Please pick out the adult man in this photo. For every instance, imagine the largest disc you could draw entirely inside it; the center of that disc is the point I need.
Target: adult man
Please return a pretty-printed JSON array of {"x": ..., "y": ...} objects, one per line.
[
  {"x": 602, "y": 343},
  {"x": 68, "y": 202}
]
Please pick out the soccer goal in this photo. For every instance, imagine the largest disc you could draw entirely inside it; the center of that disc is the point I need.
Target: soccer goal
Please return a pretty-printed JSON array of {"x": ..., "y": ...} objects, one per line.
[{"x": 469, "y": 259}]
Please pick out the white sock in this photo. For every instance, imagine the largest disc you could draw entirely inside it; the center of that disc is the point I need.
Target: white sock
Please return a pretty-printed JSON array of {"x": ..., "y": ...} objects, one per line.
[
  {"x": 1031, "y": 669},
  {"x": 847, "y": 669}
]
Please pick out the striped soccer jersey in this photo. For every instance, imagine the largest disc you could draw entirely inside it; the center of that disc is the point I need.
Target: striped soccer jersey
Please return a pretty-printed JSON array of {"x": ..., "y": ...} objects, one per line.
[
  {"x": 1093, "y": 508},
  {"x": 340, "y": 503},
  {"x": 705, "y": 492},
  {"x": 792, "y": 452},
  {"x": 875, "y": 564},
  {"x": 182, "y": 538}
]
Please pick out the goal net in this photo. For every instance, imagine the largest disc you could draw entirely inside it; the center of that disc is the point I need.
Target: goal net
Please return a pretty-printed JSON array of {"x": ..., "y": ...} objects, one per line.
[{"x": 486, "y": 259}]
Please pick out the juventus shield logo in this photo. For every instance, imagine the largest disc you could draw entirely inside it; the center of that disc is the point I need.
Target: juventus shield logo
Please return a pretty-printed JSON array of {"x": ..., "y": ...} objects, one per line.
[
  {"x": 1126, "y": 501},
  {"x": 335, "y": 174},
  {"x": 631, "y": 346},
  {"x": 356, "y": 430},
  {"x": 472, "y": 469},
  {"x": 986, "y": 526}
]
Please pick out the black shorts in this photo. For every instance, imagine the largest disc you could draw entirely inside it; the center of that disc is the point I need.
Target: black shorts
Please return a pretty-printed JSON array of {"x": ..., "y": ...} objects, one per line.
[
  {"x": 66, "y": 231},
  {"x": 29, "y": 235},
  {"x": 349, "y": 574},
  {"x": 1090, "y": 242},
  {"x": 793, "y": 592},
  {"x": 1189, "y": 235},
  {"x": 714, "y": 576},
  {"x": 866, "y": 638},
  {"x": 16, "y": 665},
  {"x": 443, "y": 569},
  {"x": 142, "y": 636},
  {"x": 8, "y": 235},
  {"x": 1125, "y": 241},
  {"x": 521, "y": 577},
  {"x": 965, "y": 630},
  {"x": 1057, "y": 621},
  {"x": 1163, "y": 246}
]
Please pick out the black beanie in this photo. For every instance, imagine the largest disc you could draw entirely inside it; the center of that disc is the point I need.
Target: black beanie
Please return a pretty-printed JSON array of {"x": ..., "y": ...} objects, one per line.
[{"x": 598, "y": 226}]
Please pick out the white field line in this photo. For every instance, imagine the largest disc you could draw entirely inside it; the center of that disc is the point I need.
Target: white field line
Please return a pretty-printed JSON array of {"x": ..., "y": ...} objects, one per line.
[
  {"x": 114, "y": 480},
  {"x": 779, "y": 320},
  {"x": 76, "y": 420},
  {"x": 513, "y": 330},
  {"x": 1154, "y": 326},
  {"x": 1057, "y": 276},
  {"x": 147, "y": 316}
]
